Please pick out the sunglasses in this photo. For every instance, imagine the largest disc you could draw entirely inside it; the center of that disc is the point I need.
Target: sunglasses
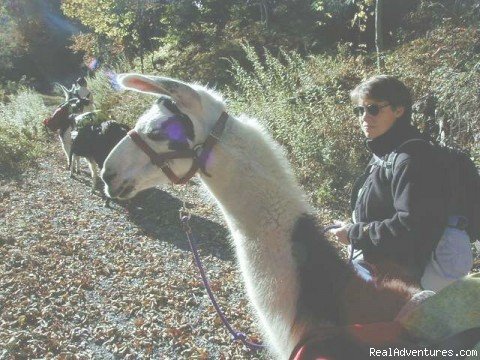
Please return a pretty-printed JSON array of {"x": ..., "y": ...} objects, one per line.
[{"x": 372, "y": 109}]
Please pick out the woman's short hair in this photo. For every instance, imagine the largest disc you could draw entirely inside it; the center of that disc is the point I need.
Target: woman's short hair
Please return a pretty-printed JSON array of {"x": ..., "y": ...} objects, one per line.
[{"x": 385, "y": 88}]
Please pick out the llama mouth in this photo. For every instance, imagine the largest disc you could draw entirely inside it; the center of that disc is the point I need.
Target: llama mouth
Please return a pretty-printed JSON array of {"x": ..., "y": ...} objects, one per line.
[
  {"x": 127, "y": 191},
  {"x": 122, "y": 193}
]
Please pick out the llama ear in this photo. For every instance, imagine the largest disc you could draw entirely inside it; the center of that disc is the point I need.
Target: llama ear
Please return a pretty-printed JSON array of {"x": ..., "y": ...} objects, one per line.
[
  {"x": 64, "y": 90},
  {"x": 186, "y": 98}
]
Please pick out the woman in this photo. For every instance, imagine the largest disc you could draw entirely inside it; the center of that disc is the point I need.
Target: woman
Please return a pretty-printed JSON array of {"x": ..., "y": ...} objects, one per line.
[{"x": 399, "y": 217}]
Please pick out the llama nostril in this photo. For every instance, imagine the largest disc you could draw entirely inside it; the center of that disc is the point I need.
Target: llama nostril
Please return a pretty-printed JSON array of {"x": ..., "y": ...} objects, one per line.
[{"x": 121, "y": 191}]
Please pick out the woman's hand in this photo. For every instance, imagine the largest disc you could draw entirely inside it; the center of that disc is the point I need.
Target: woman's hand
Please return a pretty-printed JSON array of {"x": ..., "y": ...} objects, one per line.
[{"x": 341, "y": 233}]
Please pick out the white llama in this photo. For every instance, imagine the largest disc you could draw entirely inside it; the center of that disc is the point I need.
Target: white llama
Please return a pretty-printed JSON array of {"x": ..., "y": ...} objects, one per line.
[{"x": 294, "y": 278}]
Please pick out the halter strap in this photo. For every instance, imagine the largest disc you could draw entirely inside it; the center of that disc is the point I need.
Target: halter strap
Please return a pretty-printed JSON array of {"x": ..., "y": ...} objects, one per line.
[{"x": 199, "y": 159}]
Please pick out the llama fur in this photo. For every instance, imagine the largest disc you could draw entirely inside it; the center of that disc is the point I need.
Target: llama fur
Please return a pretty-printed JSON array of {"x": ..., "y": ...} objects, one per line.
[
  {"x": 94, "y": 143},
  {"x": 62, "y": 122}
]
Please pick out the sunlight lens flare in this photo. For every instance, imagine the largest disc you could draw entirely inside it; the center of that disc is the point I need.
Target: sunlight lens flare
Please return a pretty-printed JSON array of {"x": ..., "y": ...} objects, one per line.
[
  {"x": 93, "y": 64},
  {"x": 112, "y": 78}
]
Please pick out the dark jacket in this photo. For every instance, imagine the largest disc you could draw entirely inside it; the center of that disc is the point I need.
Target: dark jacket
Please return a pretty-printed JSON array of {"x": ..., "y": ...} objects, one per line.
[{"x": 401, "y": 220}]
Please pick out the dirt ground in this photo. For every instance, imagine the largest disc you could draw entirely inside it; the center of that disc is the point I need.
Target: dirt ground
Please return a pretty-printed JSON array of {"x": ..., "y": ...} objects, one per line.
[{"x": 82, "y": 281}]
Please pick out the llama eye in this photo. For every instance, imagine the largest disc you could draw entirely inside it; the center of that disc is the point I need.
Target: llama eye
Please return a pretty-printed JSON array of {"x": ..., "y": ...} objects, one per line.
[{"x": 157, "y": 135}]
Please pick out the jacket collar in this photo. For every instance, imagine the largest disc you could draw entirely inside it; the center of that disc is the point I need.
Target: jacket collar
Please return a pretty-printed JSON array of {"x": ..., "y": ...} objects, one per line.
[{"x": 395, "y": 136}]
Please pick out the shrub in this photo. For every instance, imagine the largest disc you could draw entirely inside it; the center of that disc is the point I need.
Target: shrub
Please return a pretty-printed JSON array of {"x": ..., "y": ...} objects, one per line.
[
  {"x": 124, "y": 107},
  {"x": 445, "y": 64},
  {"x": 21, "y": 130},
  {"x": 305, "y": 104}
]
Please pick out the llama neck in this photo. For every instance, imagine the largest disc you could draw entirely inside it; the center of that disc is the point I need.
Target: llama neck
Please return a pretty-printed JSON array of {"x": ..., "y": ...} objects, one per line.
[{"x": 251, "y": 181}]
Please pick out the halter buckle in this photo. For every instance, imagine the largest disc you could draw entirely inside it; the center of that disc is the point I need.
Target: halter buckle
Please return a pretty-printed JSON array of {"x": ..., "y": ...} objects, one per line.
[{"x": 198, "y": 150}]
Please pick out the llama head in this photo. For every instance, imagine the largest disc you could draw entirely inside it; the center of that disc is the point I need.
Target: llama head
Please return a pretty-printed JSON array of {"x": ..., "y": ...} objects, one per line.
[
  {"x": 59, "y": 119},
  {"x": 181, "y": 118},
  {"x": 68, "y": 94},
  {"x": 75, "y": 104}
]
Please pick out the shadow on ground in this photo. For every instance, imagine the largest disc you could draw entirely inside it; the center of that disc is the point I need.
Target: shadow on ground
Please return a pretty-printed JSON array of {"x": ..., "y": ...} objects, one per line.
[{"x": 156, "y": 212}]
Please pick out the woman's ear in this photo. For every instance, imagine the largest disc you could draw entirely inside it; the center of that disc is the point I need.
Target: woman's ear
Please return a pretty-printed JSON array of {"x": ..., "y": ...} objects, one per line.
[{"x": 399, "y": 111}]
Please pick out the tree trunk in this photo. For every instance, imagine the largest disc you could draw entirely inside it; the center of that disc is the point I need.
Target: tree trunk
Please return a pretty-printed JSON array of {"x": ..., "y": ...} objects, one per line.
[
  {"x": 264, "y": 12},
  {"x": 379, "y": 34}
]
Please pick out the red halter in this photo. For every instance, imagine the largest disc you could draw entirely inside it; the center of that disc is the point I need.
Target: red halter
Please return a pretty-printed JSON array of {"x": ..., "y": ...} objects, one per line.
[{"x": 199, "y": 158}]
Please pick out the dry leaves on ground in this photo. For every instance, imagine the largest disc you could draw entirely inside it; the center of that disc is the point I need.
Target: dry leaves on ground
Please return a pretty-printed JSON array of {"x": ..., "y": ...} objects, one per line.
[{"x": 78, "y": 280}]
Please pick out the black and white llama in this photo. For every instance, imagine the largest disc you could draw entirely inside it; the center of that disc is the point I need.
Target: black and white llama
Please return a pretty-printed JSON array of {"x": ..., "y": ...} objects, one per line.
[{"x": 94, "y": 142}]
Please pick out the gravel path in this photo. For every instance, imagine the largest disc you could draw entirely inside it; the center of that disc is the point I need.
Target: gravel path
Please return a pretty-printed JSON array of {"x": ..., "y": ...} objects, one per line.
[{"x": 81, "y": 281}]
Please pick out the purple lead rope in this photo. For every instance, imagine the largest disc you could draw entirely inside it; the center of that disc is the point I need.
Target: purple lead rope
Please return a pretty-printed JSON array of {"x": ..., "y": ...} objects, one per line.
[{"x": 235, "y": 334}]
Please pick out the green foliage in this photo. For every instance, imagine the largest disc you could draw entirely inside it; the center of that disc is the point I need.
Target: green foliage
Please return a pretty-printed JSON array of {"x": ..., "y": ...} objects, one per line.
[
  {"x": 193, "y": 63},
  {"x": 109, "y": 18},
  {"x": 199, "y": 37},
  {"x": 12, "y": 43},
  {"x": 34, "y": 37},
  {"x": 459, "y": 106},
  {"x": 122, "y": 106},
  {"x": 364, "y": 11},
  {"x": 118, "y": 27},
  {"x": 446, "y": 64},
  {"x": 191, "y": 40},
  {"x": 21, "y": 130},
  {"x": 7, "y": 88},
  {"x": 305, "y": 104}
]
